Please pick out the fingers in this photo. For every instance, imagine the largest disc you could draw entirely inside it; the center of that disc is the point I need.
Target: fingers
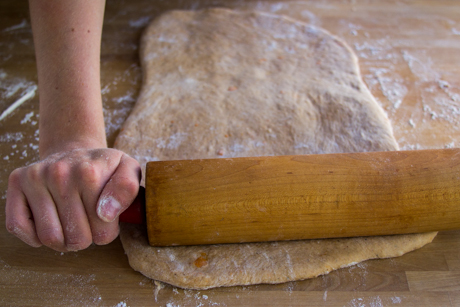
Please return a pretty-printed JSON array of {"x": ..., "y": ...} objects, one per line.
[
  {"x": 124, "y": 183},
  {"x": 56, "y": 220},
  {"x": 117, "y": 195},
  {"x": 69, "y": 208},
  {"x": 19, "y": 220},
  {"x": 75, "y": 225},
  {"x": 47, "y": 223},
  {"x": 71, "y": 201}
]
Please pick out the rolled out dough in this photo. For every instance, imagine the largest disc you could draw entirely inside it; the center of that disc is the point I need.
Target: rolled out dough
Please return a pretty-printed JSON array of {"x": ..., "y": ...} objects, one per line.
[{"x": 221, "y": 83}]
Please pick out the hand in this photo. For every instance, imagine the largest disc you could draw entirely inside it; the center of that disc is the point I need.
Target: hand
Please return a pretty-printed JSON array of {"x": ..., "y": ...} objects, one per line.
[{"x": 71, "y": 199}]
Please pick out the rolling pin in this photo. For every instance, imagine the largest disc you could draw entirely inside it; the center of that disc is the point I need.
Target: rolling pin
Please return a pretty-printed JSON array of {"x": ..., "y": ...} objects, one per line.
[{"x": 255, "y": 199}]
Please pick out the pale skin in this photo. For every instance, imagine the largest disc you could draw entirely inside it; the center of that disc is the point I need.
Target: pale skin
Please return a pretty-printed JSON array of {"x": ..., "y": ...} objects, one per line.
[{"x": 73, "y": 196}]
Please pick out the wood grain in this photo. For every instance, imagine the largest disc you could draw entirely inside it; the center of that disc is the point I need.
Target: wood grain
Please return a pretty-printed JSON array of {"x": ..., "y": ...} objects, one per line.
[
  {"x": 213, "y": 201},
  {"x": 409, "y": 54},
  {"x": 433, "y": 281}
]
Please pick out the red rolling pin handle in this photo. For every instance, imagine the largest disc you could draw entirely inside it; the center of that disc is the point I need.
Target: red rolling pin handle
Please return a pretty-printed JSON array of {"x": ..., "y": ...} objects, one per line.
[{"x": 135, "y": 214}]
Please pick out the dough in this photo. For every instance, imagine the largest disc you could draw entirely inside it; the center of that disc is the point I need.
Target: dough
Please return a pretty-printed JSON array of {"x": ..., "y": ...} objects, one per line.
[
  {"x": 203, "y": 267},
  {"x": 221, "y": 83}
]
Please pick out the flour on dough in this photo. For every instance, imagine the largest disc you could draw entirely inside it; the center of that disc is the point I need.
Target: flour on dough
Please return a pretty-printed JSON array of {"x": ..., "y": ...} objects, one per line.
[{"x": 222, "y": 83}]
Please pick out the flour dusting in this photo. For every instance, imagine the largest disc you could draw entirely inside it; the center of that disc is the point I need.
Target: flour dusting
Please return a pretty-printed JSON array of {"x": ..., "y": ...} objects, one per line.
[
  {"x": 140, "y": 22},
  {"x": 22, "y": 25},
  {"x": 391, "y": 86},
  {"x": 51, "y": 287},
  {"x": 121, "y": 98},
  {"x": 14, "y": 91},
  {"x": 11, "y": 86},
  {"x": 420, "y": 65}
]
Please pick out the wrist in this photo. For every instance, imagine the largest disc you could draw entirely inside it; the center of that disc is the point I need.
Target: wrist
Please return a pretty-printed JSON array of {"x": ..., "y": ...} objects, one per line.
[
  {"x": 69, "y": 122},
  {"x": 47, "y": 149}
]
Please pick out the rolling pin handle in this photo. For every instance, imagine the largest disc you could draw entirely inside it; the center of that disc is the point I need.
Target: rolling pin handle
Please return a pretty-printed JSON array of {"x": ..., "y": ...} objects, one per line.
[{"x": 135, "y": 214}]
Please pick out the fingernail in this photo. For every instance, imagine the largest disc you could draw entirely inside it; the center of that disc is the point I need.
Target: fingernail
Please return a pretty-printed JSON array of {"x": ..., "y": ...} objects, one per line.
[{"x": 108, "y": 209}]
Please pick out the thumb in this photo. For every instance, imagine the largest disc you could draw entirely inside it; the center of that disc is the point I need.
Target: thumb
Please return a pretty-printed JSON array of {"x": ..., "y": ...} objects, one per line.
[{"x": 120, "y": 191}]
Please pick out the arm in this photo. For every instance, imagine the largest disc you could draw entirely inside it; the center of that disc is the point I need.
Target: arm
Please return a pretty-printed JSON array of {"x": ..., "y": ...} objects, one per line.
[
  {"x": 67, "y": 38},
  {"x": 73, "y": 196}
]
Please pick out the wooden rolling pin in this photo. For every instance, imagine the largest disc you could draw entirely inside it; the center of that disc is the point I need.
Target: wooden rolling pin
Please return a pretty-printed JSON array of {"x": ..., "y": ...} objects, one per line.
[{"x": 256, "y": 199}]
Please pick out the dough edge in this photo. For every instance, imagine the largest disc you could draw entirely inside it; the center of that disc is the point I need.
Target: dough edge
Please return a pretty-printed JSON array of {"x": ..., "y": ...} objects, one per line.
[{"x": 253, "y": 267}]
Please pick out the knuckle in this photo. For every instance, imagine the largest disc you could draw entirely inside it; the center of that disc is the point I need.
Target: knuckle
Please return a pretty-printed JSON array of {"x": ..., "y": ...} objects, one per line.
[
  {"x": 76, "y": 237},
  {"x": 133, "y": 164},
  {"x": 130, "y": 159},
  {"x": 76, "y": 242},
  {"x": 14, "y": 226},
  {"x": 59, "y": 176},
  {"x": 89, "y": 173},
  {"x": 50, "y": 237},
  {"x": 131, "y": 187},
  {"x": 21, "y": 231},
  {"x": 104, "y": 237},
  {"x": 34, "y": 173},
  {"x": 15, "y": 176},
  {"x": 59, "y": 172}
]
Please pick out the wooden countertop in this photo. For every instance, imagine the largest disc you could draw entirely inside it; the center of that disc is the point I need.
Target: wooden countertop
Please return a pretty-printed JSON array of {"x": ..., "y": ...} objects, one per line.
[{"x": 409, "y": 54}]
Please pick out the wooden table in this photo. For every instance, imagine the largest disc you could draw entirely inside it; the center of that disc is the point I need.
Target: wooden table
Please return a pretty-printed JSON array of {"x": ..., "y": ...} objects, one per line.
[{"x": 409, "y": 54}]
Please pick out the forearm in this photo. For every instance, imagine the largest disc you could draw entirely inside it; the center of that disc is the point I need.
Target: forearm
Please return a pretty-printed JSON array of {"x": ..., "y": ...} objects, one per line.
[
  {"x": 74, "y": 195},
  {"x": 67, "y": 38}
]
